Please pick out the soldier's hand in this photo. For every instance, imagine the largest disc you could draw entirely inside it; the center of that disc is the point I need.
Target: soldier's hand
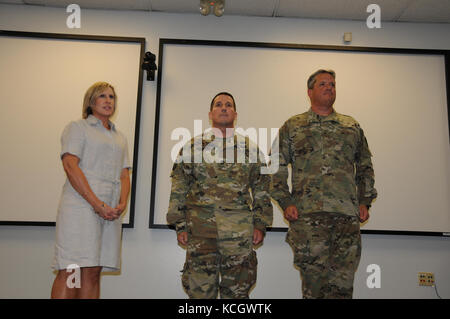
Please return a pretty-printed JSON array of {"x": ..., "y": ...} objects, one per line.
[
  {"x": 363, "y": 213},
  {"x": 291, "y": 213},
  {"x": 182, "y": 238},
  {"x": 258, "y": 236}
]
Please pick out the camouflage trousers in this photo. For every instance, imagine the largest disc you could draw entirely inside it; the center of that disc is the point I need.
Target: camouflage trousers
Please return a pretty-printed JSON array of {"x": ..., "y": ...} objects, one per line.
[
  {"x": 209, "y": 271},
  {"x": 327, "y": 251}
]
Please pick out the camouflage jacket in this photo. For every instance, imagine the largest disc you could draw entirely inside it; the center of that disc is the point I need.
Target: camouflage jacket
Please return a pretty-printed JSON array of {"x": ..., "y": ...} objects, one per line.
[
  {"x": 219, "y": 190},
  {"x": 331, "y": 165}
]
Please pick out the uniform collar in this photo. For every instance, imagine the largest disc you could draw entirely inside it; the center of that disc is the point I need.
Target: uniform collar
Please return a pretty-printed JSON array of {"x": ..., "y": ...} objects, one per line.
[
  {"x": 92, "y": 120},
  {"x": 314, "y": 117},
  {"x": 210, "y": 136},
  {"x": 237, "y": 139}
]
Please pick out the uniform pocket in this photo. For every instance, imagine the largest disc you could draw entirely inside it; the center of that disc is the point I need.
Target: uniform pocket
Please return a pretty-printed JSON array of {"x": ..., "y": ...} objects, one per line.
[
  {"x": 347, "y": 143},
  {"x": 252, "y": 268},
  {"x": 238, "y": 276},
  {"x": 185, "y": 276}
]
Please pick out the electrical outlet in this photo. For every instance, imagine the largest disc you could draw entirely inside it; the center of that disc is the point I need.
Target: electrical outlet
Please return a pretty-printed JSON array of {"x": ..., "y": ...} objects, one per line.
[{"x": 426, "y": 279}]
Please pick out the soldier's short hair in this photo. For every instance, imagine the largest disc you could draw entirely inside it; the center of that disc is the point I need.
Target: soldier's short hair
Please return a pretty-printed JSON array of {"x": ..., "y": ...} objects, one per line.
[
  {"x": 312, "y": 77},
  {"x": 222, "y": 93}
]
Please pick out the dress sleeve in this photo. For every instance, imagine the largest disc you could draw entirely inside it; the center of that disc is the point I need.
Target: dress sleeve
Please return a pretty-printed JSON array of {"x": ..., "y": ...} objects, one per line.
[
  {"x": 126, "y": 159},
  {"x": 72, "y": 140}
]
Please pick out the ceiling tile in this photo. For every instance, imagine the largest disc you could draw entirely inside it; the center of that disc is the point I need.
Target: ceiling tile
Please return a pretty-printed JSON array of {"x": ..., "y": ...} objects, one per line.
[
  {"x": 175, "y": 5},
  {"x": 95, "y": 4},
  {"x": 340, "y": 9},
  {"x": 437, "y": 11},
  {"x": 263, "y": 8},
  {"x": 427, "y": 10}
]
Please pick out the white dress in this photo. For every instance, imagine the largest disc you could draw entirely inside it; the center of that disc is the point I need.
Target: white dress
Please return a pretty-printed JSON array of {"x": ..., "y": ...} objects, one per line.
[{"x": 83, "y": 238}]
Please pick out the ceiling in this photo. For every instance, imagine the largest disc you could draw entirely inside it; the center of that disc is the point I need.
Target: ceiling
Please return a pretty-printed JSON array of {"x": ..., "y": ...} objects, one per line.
[{"x": 429, "y": 11}]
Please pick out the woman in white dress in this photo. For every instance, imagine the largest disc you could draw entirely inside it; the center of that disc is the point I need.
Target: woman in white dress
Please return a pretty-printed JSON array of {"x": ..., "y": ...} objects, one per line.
[{"x": 88, "y": 226}]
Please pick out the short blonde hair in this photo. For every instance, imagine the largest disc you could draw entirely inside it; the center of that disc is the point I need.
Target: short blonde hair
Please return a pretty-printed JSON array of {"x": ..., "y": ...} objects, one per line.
[{"x": 92, "y": 93}]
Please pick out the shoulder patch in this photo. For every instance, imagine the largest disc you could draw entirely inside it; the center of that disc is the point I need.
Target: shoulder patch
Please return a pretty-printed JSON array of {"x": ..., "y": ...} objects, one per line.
[
  {"x": 347, "y": 120},
  {"x": 298, "y": 120}
]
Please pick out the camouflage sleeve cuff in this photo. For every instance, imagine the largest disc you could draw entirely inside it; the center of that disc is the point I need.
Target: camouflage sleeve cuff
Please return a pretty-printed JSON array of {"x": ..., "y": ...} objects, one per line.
[
  {"x": 180, "y": 227},
  {"x": 260, "y": 226},
  {"x": 285, "y": 203},
  {"x": 366, "y": 201}
]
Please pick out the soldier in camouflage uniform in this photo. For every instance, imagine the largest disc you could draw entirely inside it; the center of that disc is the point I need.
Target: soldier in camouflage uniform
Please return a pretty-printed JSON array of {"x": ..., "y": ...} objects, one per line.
[
  {"x": 332, "y": 190},
  {"x": 220, "y": 207}
]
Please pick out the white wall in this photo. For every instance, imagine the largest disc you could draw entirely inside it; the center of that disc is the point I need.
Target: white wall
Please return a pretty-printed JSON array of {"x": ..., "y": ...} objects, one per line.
[{"x": 151, "y": 257}]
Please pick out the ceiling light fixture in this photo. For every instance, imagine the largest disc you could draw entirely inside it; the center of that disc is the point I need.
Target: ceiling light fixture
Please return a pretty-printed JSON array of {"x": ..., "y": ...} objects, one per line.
[{"x": 219, "y": 7}]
